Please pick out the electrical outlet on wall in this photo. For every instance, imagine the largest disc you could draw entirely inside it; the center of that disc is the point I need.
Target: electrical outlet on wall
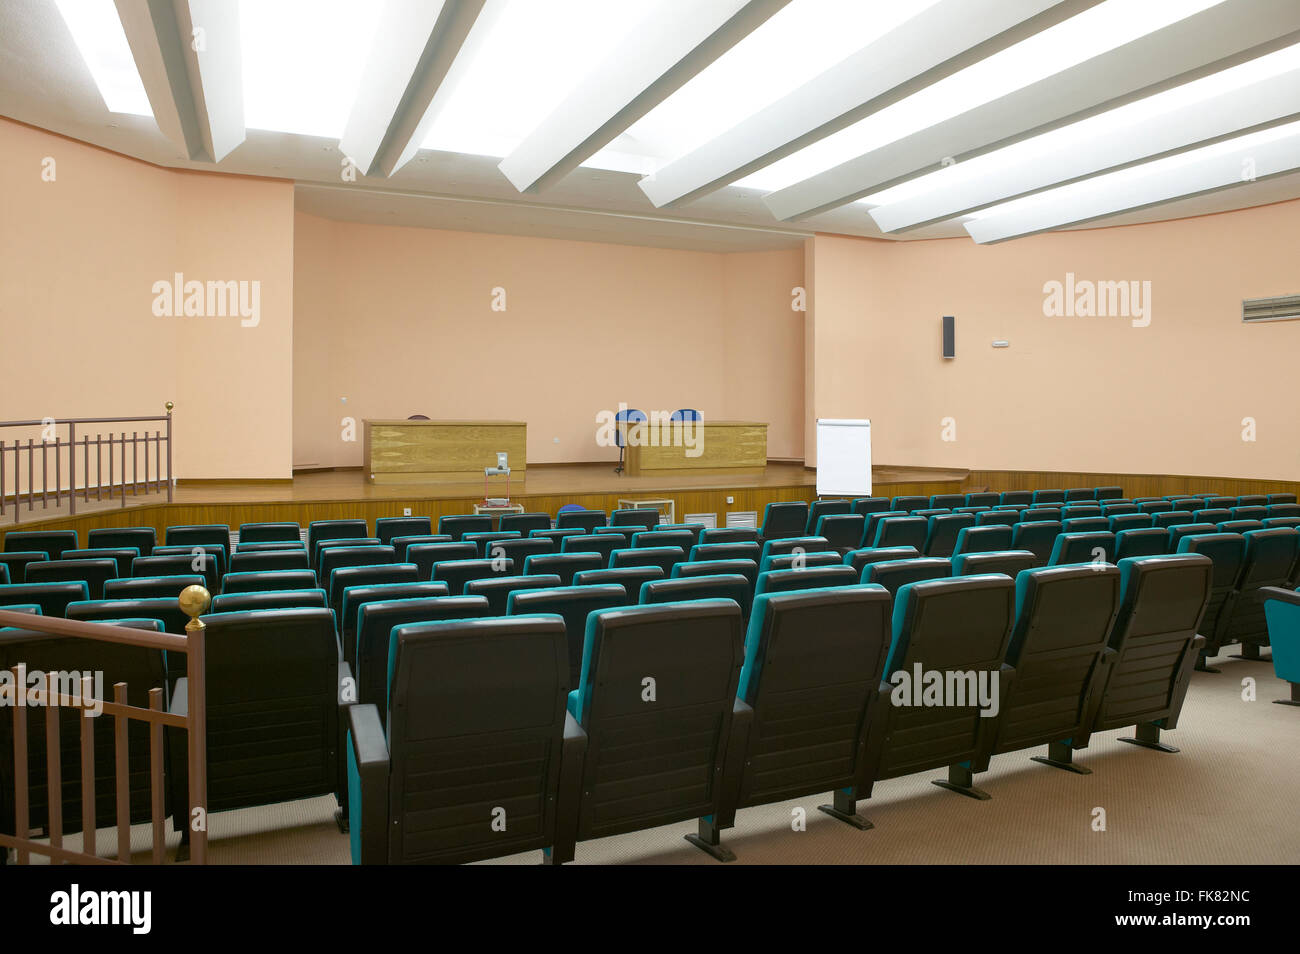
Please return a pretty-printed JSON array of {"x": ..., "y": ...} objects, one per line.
[
  {"x": 731, "y": 500},
  {"x": 406, "y": 511}
]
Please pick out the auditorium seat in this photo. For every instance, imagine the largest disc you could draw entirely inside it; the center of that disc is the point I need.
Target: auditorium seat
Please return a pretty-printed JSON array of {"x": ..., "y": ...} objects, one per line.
[
  {"x": 242, "y": 547},
  {"x": 947, "y": 501},
  {"x": 842, "y": 530},
  {"x": 866, "y": 506},
  {"x": 457, "y": 525},
  {"x": 274, "y": 683},
  {"x": 746, "y": 568},
  {"x": 53, "y": 598},
  {"x": 1281, "y": 498},
  {"x": 355, "y": 596},
  {"x": 729, "y": 586},
  {"x": 901, "y": 532},
  {"x": 1155, "y": 506},
  {"x": 1240, "y": 526},
  {"x": 1089, "y": 547},
  {"x": 150, "y": 587},
  {"x": 165, "y": 609},
  {"x": 1162, "y": 600},
  {"x": 807, "y": 697},
  {"x": 629, "y": 577},
  {"x": 15, "y": 562},
  {"x": 402, "y": 544},
  {"x": 962, "y": 624},
  {"x": 271, "y": 599},
  {"x": 330, "y": 559},
  {"x": 858, "y": 559},
  {"x": 583, "y": 520},
  {"x": 483, "y": 541},
  {"x": 1080, "y": 493},
  {"x": 375, "y": 622},
  {"x": 50, "y": 542},
  {"x": 894, "y": 574},
  {"x": 997, "y": 518},
  {"x": 602, "y": 543},
  {"x": 387, "y": 528},
  {"x": 1227, "y": 551},
  {"x": 181, "y": 564},
  {"x": 873, "y": 523},
  {"x": 340, "y": 543},
  {"x": 1118, "y": 509},
  {"x": 425, "y": 555},
  {"x": 645, "y": 517},
  {"x": 793, "y": 561},
  {"x": 456, "y": 573},
  {"x": 781, "y": 520},
  {"x": 140, "y": 669},
  {"x": 649, "y": 764},
  {"x": 1253, "y": 500},
  {"x": 728, "y": 535},
  {"x": 906, "y": 503},
  {"x": 278, "y": 532},
  {"x": 826, "y": 508},
  {"x": 1010, "y": 562},
  {"x": 663, "y": 557},
  {"x": 199, "y": 535},
  {"x": 1190, "y": 504},
  {"x": 484, "y": 801},
  {"x": 930, "y": 512},
  {"x": 1058, "y": 649},
  {"x": 726, "y": 551},
  {"x": 782, "y": 581},
  {"x": 519, "y": 549},
  {"x": 1085, "y": 525},
  {"x": 1270, "y": 558},
  {"x": 1282, "y": 612},
  {"x": 1046, "y": 497},
  {"x": 121, "y": 557},
  {"x": 624, "y": 533},
  {"x": 941, "y": 533},
  {"x": 1254, "y": 512},
  {"x": 1177, "y": 533},
  {"x": 983, "y": 539},
  {"x": 1220, "y": 503},
  {"x": 1129, "y": 521},
  {"x": 268, "y": 560},
  {"x": 524, "y": 523},
  {"x": 1214, "y": 515},
  {"x": 1109, "y": 493},
  {"x": 573, "y": 604},
  {"x": 142, "y": 538},
  {"x": 664, "y": 538},
  {"x": 92, "y": 572},
  {"x": 1140, "y": 542},
  {"x": 1264, "y": 524},
  {"x": 343, "y": 578},
  {"x": 696, "y": 530},
  {"x": 212, "y": 555},
  {"x": 1172, "y": 518},
  {"x": 267, "y": 580},
  {"x": 497, "y": 589},
  {"x": 1282, "y": 510},
  {"x": 984, "y": 500}
]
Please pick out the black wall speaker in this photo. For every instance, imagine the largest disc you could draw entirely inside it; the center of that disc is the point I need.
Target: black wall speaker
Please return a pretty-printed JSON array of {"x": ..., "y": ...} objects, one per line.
[{"x": 949, "y": 337}]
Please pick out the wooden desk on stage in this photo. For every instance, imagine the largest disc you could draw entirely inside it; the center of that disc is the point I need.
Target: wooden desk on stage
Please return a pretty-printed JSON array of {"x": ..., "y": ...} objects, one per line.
[
  {"x": 729, "y": 447},
  {"x": 418, "y": 452}
]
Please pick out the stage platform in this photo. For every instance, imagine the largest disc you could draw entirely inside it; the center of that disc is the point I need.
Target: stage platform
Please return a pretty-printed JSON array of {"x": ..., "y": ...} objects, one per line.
[{"x": 326, "y": 495}]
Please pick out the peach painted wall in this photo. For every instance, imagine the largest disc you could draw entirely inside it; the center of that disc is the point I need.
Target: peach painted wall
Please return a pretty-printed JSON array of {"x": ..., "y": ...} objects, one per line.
[
  {"x": 78, "y": 259},
  {"x": 1071, "y": 393},
  {"x": 393, "y": 321}
]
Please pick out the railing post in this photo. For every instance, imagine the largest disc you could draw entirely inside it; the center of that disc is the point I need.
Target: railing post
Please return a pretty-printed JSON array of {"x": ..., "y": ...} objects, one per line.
[
  {"x": 170, "y": 482},
  {"x": 72, "y": 468},
  {"x": 194, "y": 602}
]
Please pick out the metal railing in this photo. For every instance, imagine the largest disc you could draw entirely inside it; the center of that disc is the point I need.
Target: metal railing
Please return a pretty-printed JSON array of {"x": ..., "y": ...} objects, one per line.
[
  {"x": 194, "y": 601},
  {"x": 122, "y": 453}
]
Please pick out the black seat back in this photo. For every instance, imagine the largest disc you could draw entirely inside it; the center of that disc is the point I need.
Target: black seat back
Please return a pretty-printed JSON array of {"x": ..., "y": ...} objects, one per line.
[
  {"x": 497, "y": 589},
  {"x": 723, "y": 586},
  {"x": 93, "y": 572},
  {"x": 142, "y": 538},
  {"x": 387, "y": 528},
  {"x": 276, "y": 532},
  {"x": 151, "y": 587},
  {"x": 573, "y": 604},
  {"x": 50, "y": 542}
]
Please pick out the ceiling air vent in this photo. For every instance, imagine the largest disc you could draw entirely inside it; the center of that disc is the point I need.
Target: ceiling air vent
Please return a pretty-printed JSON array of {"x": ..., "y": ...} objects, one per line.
[{"x": 1285, "y": 308}]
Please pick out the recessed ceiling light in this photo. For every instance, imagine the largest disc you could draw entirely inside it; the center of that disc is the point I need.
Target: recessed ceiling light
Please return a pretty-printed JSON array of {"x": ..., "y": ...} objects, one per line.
[{"x": 98, "y": 33}]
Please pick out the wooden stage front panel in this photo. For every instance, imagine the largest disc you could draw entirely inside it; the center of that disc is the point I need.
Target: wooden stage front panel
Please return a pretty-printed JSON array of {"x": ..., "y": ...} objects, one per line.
[
  {"x": 726, "y": 447},
  {"x": 423, "y": 452}
]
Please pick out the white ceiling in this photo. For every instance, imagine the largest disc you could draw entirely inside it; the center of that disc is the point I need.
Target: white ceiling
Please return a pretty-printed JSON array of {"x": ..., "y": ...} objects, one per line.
[{"x": 811, "y": 106}]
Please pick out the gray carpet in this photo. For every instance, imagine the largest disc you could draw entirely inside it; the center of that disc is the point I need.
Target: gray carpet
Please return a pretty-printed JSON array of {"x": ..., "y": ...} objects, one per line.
[{"x": 1229, "y": 797}]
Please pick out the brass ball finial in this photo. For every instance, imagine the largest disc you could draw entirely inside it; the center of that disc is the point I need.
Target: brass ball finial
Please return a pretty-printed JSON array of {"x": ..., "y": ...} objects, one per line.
[
  {"x": 169, "y": 405},
  {"x": 194, "y": 602}
]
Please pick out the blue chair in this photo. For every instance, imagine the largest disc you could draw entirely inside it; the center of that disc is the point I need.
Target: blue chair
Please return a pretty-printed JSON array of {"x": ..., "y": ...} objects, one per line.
[
  {"x": 1282, "y": 610},
  {"x": 622, "y": 421}
]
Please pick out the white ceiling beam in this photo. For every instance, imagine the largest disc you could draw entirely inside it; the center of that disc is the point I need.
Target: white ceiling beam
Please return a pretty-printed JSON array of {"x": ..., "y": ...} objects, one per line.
[
  {"x": 645, "y": 68},
  {"x": 1223, "y": 167},
  {"x": 1255, "y": 105},
  {"x": 1203, "y": 43},
  {"x": 935, "y": 43},
  {"x": 415, "y": 45},
  {"x": 187, "y": 54}
]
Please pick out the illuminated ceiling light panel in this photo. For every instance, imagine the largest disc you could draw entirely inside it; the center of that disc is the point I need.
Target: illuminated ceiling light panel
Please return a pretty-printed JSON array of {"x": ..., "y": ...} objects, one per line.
[
  {"x": 98, "y": 33},
  {"x": 1233, "y": 162},
  {"x": 1263, "y": 90},
  {"x": 528, "y": 58},
  {"x": 302, "y": 62},
  {"x": 1096, "y": 31},
  {"x": 805, "y": 38}
]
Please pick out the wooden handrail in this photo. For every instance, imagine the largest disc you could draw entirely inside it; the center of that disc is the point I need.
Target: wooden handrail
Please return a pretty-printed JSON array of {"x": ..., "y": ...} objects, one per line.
[{"x": 104, "y": 632}]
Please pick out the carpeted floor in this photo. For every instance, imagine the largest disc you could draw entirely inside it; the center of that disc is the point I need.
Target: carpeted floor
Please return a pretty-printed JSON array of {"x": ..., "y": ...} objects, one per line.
[{"x": 1231, "y": 796}]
